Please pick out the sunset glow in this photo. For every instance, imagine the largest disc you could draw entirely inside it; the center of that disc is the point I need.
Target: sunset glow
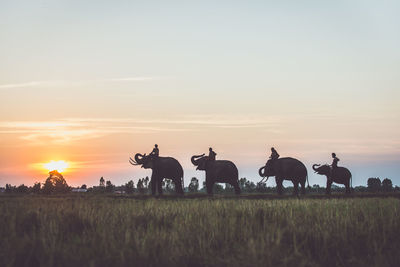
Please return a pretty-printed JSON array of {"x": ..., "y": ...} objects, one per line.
[
  {"x": 59, "y": 166},
  {"x": 88, "y": 85}
]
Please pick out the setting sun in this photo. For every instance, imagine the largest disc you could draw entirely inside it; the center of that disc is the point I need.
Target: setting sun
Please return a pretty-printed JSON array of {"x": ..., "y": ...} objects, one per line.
[{"x": 59, "y": 166}]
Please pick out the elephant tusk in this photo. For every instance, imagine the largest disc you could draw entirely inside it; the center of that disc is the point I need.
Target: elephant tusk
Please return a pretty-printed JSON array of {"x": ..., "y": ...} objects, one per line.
[{"x": 131, "y": 161}]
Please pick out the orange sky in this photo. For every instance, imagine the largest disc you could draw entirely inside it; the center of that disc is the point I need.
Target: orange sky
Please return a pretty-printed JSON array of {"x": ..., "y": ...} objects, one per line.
[{"x": 93, "y": 83}]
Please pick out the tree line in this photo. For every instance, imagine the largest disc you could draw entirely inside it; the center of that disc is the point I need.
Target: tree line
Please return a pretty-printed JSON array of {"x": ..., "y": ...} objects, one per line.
[{"x": 56, "y": 183}]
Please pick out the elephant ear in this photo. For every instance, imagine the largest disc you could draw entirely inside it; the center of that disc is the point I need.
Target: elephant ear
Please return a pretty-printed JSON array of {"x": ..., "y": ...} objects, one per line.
[{"x": 268, "y": 171}]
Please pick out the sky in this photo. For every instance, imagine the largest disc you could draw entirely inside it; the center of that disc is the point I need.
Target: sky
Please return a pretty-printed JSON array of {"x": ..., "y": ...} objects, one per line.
[{"x": 94, "y": 82}]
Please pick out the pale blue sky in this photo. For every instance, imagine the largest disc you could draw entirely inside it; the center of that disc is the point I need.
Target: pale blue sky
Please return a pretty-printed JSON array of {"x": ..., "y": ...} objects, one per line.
[{"x": 309, "y": 78}]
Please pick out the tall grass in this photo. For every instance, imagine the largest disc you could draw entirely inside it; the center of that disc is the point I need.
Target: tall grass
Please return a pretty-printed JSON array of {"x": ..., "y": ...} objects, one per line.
[{"x": 104, "y": 231}]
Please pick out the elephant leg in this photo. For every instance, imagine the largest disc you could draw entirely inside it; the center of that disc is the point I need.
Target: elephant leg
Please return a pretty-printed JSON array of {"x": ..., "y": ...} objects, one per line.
[
  {"x": 295, "y": 188},
  {"x": 178, "y": 185},
  {"x": 347, "y": 185},
  {"x": 159, "y": 186},
  {"x": 303, "y": 187},
  {"x": 153, "y": 183},
  {"x": 235, "y": 184},
  {"x": 279, "y": 185},
  {"x": 209, "y": 186},
  {"x": 328, "y": 186}
]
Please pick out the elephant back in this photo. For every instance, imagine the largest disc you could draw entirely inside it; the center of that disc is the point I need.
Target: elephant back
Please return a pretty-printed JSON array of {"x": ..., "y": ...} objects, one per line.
[
  {"x": 169, "y": 166},
  {"x": 223, "y": 168},
  {"x": 342, "y": 171},
  {"x": 289, "y": 167}
]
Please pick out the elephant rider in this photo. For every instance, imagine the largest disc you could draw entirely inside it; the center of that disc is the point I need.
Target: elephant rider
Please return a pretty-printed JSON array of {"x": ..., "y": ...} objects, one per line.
[
  {"x": 211, "y": 154},
  {"x": 274, "y": 154},
  {"x": 334, "y": 162},
  {"x": 155, "y": 152}
]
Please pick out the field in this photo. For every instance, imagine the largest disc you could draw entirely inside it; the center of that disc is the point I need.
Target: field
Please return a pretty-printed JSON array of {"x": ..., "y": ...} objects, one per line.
[{"x": 82, "y": 230}]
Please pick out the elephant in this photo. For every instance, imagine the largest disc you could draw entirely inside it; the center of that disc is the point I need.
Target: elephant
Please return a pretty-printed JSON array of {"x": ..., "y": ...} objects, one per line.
[
  {"x": 163, "y": 167},
  {"x": 286, "y": 169},
  {"x": 339, "y": 175},
  {"x": 217, "y": 171}
]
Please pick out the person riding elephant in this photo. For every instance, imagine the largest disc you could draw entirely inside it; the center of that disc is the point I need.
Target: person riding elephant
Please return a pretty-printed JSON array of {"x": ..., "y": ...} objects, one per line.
[
  {"x": 211, "y": 154},
  {"x": 162, "y": 168},
  {"x": 274, "y": 154},
  {"x": 155, "y": 152},
  {"x": 286, "y": 169},
  {"x": 334, "y": 163}
]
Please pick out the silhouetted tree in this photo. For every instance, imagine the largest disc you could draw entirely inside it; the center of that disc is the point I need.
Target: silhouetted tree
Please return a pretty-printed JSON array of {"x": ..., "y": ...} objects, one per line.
[
  {"x": 129, "y": 187},
  {"x": 194, "y": 185},
  {"x": 102, "y": 182},
  {"x": 246, "y": 185},
  {"x": 10, "y": 188},
  {"x": 218, "y": 189},
  {"x": 48, "y": 187},
  {"x": 374, "y": 184},
  {"x": 261, "y": 187},
  {"x": 23, "y": 189},
  {"x": 229, "y": 188},
  {"x": 83, "y": 186},
  {"x": 140, "y": 186},
  {"x": 55, "y": 183},
  {"x": 360, "y": 189},
  {"x": 36, "y": 188},
  {"x": 387, "y": 185},
  {"x": 167, "y": 185},
  {"x": 109, "y": 187}
]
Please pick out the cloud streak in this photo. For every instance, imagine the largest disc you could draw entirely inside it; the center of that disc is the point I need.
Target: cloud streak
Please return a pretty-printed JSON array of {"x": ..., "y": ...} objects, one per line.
[
  {"x": 53, "y": 83},
  {"x": 68, "y": 130}
]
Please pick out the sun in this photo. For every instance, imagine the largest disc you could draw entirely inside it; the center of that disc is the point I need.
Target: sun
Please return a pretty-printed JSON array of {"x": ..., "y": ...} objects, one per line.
[{"x": 59, "y": 166}]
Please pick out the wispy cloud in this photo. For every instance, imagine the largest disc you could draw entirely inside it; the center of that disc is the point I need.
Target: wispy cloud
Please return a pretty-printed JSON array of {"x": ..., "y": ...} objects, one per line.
[
  {"x": 65, "y": 131},
  {"x": 23, "y": 85},
  {"x": 54, "y": 83}
]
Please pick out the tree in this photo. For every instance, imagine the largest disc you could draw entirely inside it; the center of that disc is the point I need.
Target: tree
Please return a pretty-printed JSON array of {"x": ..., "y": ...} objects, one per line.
[
  {"x": 140, "y": 186},
  {"x": 55, "y": 183},
  {"x": 261, "y": 187},
  {"x": 10, "y": 188},
  {"x": 374, "y": 184},
  {"x": 22, "y": 189},
  {"x": 246, "y": 185},
  {"x": 229, "y": 188},
  {"x": 167, "y": 185},
  {"x": 194, "y": 185},
  {"x": 218, "y": 189},
  {"x": 129, "y": 187},
  {"x": 109, "y": 187},
  {"x": 83, "y": 186},
  {"x": 48, "y": 187},
  {"x": 101, "y": 181},
  {"x": 36, "y": 188},
  {"x": 146, "y": 182},
  {"x": 387, "y": 185}
]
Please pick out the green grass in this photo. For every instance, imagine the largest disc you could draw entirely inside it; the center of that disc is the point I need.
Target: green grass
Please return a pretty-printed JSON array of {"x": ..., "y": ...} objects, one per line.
[{"x": 109, "y": 231}]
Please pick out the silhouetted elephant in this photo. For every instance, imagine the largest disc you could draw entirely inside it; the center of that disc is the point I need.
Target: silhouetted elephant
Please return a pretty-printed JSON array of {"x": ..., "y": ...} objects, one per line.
[
  {"x": 163, "y": 167},
  {"x": 217, "y": 171},
  {"x": 340, "y": 175},
  {"x": 286, "y": 169}
]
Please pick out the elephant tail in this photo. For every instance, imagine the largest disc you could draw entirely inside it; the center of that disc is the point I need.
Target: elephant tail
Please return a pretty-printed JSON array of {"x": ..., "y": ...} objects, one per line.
[{"x": 308, "y": 184}]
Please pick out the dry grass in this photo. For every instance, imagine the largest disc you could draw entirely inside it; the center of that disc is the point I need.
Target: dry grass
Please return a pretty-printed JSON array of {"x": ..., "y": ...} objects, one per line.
[{"x": 104, "y": 231}]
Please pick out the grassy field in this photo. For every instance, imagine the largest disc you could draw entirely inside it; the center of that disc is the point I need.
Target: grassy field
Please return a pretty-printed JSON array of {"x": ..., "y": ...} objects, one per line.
[{"x": 116, "y": 231}]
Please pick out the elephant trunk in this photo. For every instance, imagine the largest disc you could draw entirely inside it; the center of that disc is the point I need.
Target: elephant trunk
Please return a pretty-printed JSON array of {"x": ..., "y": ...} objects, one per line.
[
  {"x": 139, "y": 158},
  {"x": 314, "y": 167},
  {"x": 196, "y": 161},
  {"x": 260, "y": 171}
]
